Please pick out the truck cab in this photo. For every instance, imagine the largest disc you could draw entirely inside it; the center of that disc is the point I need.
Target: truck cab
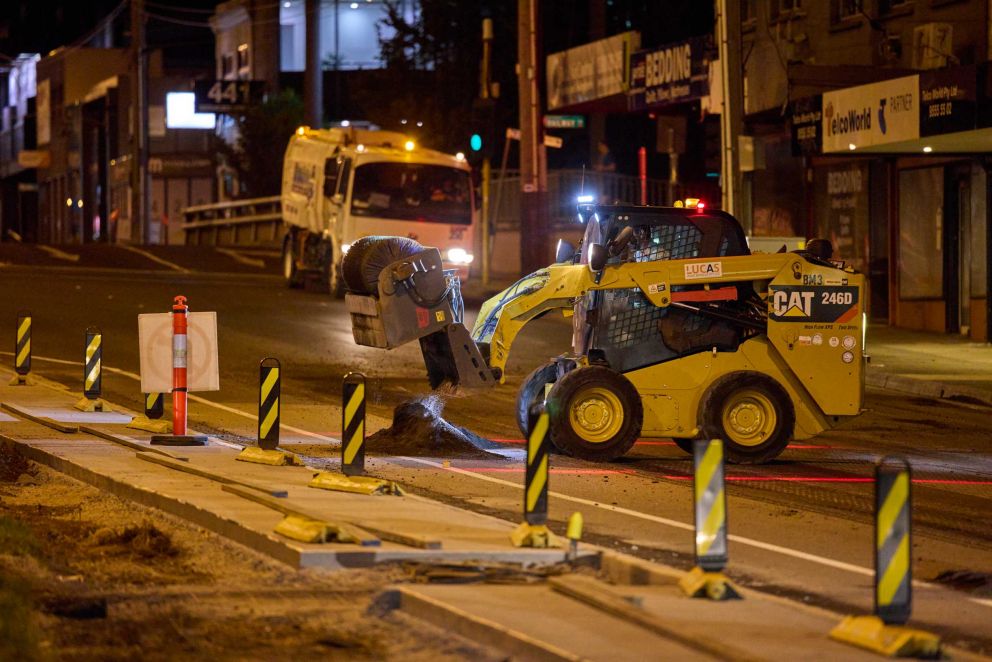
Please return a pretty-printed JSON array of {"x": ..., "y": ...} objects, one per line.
[{"x": 342, "y": 184}]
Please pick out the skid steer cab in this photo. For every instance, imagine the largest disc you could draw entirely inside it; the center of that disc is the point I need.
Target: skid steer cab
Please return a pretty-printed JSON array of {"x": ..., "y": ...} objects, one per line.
[{"x": 678, "y": 333}]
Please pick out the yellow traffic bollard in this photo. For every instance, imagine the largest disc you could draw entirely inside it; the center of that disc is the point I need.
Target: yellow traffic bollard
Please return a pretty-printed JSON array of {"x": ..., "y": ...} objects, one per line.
[
  {"x": 22, "y": 349},
  {"x": 574, "y": 535},
  {"x": 93, "y": 373},
  {"x": 151, "y": 420},
  {"x": 534, "y": 531},
  {"x": 885, "y": 631},
  {"x": 269, "y": 392},
  {"x": 710, "y": 508}
]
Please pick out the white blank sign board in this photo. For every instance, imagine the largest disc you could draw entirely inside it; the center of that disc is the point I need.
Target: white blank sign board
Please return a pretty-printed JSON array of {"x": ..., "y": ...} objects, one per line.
[{"x": 155, "y": 346}]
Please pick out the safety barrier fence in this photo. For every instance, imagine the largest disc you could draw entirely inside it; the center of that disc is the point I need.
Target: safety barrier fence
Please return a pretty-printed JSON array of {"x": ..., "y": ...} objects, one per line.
[
  {"x": 253, "y": 222},
  {"x": 884, "y": 631}
]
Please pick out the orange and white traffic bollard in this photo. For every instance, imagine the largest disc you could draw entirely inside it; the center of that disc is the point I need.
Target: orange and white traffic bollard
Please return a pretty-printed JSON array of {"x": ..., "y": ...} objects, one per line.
[{"x": 179, "y": 436}]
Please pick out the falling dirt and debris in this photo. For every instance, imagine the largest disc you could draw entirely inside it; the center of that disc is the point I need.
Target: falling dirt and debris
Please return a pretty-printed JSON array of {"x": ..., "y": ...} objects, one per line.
[{"x": 419, "y": 429}]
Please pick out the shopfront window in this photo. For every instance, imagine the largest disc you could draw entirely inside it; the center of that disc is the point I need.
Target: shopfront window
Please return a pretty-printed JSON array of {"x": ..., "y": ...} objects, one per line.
[{"x": 921, "y": 228}]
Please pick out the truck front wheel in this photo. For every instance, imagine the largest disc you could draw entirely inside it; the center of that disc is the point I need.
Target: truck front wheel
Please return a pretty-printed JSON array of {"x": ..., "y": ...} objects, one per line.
[
  {"x": 294, "y": 278},
  {"x": 331, "y": 276}
]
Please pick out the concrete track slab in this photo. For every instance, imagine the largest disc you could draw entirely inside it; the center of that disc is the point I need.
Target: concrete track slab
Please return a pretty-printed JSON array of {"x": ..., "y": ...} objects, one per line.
[{"x": 464, "y": 536}]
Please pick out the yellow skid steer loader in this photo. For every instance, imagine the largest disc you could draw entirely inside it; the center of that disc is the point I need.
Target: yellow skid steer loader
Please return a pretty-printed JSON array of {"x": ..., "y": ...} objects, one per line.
[{"x": 678, "y": 332}]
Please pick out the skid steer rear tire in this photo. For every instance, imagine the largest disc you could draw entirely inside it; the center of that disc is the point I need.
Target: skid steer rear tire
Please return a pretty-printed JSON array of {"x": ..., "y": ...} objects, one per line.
[
  {"x": 369, "y": 256},
  {"x": 751, "y": 413},
  {"x": 595, "y": 414}
]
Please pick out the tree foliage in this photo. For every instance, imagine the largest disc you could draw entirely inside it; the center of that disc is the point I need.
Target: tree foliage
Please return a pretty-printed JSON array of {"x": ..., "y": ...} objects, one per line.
[
  {"x": 263, "y": 133},
  {"x": 431, "y": 67}
]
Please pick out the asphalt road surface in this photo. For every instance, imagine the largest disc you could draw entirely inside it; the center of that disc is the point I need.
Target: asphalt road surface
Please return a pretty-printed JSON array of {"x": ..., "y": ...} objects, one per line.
[{"x": 800, "y": 527}]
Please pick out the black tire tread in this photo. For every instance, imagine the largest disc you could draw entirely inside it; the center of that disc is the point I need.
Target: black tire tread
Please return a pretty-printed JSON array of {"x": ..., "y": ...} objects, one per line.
[
  {"x": 573, "y": 382},
  {"x": 710, "y": 417}
]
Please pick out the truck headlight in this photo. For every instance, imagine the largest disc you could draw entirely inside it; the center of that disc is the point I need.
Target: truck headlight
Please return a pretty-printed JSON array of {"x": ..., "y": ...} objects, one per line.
[{"x": 460, "y": 256}]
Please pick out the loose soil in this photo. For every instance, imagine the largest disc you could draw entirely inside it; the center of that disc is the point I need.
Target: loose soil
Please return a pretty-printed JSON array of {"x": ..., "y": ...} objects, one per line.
[
  {"x": 420, "y": 429},
  {"x": 87, "y": 576}
]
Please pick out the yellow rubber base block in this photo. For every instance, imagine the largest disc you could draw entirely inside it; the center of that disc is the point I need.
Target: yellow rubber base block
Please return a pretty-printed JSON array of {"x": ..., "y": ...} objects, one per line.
[
  {"x": 872, "y": 633},
  {"x": 697, "y": 583},
  {"x": 157, "y": 425},
  {"x": 275, "y": 458},
  {"x": 21, "y": 380},
  {"x": 304, "y": 529},
  {"x": 85, "y": 404},
  {"x": 534, "y": 535},
  {"x": 326, "y": 480}
]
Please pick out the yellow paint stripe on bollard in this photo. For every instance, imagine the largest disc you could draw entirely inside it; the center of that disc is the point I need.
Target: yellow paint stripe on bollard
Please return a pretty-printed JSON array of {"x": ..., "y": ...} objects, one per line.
[
  {"x": 93, "y": 375},
  {"x": 25, "y": 352},
  {"x": 714, "y": 520},
  {"x": 536, "y": 435},
  {"x": 355, "y": 443},
  {"x": 269, "y": 383},
  {"x": 23, "y": 328},
  {"x": 708, "y": 467},
  {"x": 894, "y": 502},
  {"x": 92, "y": 347},
  {"x": 540, "y": 480},
  {"x": 352, "y": 407},
  {"x": 895, "y": 573},
  {"x": 150, "y": 400},
  {"x": 270, "y": 418}
]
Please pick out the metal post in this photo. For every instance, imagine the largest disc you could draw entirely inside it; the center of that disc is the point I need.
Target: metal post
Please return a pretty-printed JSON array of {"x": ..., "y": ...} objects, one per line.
[
  {"x": 313, "y": 90},
  {"x": 484, "y": 85},
  {"x": 353, "y": 425},
  {"x": 269, "y": 380},
  {"x": 642, "y": 173},
  {"x": 532, "y": 230},
  {"x": 140, "y": 187},
  {"x": 732, "y": 112}
]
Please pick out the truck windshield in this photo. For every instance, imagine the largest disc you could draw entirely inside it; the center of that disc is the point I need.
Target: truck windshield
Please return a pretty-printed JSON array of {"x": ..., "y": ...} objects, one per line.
[{"x": 412, "y": 192}]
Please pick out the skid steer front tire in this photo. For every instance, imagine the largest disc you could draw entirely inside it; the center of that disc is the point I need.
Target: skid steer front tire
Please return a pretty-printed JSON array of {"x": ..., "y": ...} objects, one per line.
[
  {"x": 595, "y": 414},
  {"x": 532, "y": 391},
  {"x": 751, "y": 413}
]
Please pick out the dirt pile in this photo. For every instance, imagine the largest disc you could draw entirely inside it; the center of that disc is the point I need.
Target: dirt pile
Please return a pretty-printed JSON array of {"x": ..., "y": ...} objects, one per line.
[
  {"x": 12, "y": 464},
  {"x": 420, "y": 429},
  {"x": 145, "y": 541}
]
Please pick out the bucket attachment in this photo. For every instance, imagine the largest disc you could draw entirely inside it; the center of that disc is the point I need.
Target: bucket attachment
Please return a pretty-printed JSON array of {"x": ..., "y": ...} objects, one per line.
[{"x": 417, "y": 299}]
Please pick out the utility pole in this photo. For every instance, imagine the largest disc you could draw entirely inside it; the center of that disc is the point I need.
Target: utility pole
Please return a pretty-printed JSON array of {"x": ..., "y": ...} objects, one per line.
[
  {"x": 732, "y": 113},
  {"x": 140, "y": 184},
  {"x": 533, "y": 186},
  {"x": 313, "y": 81},
  {"x": 484, "y": 85}
]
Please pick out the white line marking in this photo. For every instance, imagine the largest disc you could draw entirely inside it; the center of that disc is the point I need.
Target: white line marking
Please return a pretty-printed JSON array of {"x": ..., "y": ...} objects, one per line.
[
  {"x": 62, "y": 255},
  {"x": 620, "y": 510},
  {"x": 238, "y": 257},
  {"x": 154, "y": 258}
]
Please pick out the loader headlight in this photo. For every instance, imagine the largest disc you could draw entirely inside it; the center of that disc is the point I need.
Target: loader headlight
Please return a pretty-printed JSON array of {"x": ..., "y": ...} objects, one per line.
[
  {"x": 345, "y": 248},
  {"x": 460, "y": 256}
]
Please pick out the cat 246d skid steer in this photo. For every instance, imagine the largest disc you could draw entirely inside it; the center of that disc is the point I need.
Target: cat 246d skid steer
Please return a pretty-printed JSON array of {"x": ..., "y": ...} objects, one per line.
[{"x": 679, "y": 332}]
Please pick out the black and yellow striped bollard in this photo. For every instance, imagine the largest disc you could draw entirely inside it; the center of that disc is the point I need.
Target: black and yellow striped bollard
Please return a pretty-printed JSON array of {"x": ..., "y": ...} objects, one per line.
[
  {"x": 151, "y": 420},
  {"x": 269, "y": 409},
  {"x": 353, "y": 425},
  {"x": 709, "y": 498},
  {"x": 534, "y": 531},
  {"x": 22, "y": 349},
  {"x": 885, "y": 631},
  {"x": 93, "y": 373},
  {"x": 154, "y": 406},
  {"x": 268, "y": 403}
]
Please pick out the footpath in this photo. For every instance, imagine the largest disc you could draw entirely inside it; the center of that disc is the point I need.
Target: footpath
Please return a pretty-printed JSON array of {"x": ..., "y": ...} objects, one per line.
[
  {"x": 526, "y": 603},
  {"x": 929, "y": 364}
]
